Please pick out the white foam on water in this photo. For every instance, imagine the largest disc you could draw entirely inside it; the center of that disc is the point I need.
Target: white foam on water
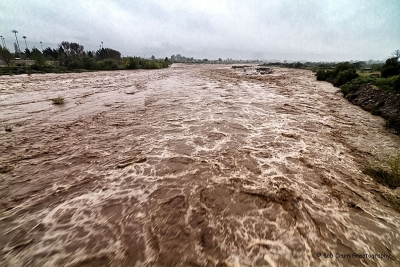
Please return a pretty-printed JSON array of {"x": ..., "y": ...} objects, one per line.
[{"x": 190, "y": 165}]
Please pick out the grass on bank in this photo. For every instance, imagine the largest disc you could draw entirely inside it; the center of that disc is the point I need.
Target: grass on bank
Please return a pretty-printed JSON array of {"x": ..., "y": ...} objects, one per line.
[
  {"x": 394, "y": 199},
  {"x": 362, "y": 73},
  {"x": 391, "y": 84},
  {"x": 387, "y": 174}
]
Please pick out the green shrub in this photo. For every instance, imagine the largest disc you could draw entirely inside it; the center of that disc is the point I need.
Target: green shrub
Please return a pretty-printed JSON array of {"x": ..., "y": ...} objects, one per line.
[
  {"x": 324, "y": 75},
  {"x": 48, "y": 68},
  {"x": 376, "y": 67},
  {"x": 394, "y": 199},
  {"x": 391, "y": 84},
  {"x": 5, "y": 55},
  {"x": 89, "y": 63},
  {"x": 396, "y": 84},
  {"x": 108, "y": 64},
  {"x": 38, "y": 57},
  {"x": 394, "y": 123},
  {"x": 388, "y": 174},
  {"x": 36, "y": 67},
  {"x": 354, "y": 84},
  {"x": 376, "y": 110},
  {"x": 391, "y": 67},
  {"x": 345, "y": 76},
  {"x": 386, "y": 84},
  {"x": 351, "y": 96},
  {"x": 342, "y": 67},
  {"x": 298, "y": 65},
  {"x": 165, "y": 63},
  {"x": 76, "y": 63},
  {"x": 132, "y": 63},
  {"x": 150, "y": 64},
  {"x": 344, "y": 72}
]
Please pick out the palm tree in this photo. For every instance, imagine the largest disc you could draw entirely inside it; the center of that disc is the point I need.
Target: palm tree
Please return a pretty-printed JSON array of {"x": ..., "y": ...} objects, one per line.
[
  {"x": 15, "y": 32},
  {"x": 25, "y": 41}
]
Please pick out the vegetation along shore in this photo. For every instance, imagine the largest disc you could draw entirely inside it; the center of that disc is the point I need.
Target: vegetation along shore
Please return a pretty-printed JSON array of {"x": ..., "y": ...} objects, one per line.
[
  {"x": 71, "y": 57},
  {"x": 377, "y": 92}
]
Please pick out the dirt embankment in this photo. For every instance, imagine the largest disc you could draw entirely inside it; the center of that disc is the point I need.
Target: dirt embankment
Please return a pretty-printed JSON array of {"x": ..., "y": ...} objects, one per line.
[{"x": 377, "y": 102}]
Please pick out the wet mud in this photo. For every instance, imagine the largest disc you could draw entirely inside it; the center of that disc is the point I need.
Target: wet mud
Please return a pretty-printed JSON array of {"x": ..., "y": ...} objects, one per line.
[{"x": 190, "y": 166}]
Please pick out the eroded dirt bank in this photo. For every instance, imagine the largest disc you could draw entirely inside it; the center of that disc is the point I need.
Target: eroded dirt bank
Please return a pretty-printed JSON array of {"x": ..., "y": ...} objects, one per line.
[
  {"x": 379, "y": 102},
  {"x": 190, "y": 166}
]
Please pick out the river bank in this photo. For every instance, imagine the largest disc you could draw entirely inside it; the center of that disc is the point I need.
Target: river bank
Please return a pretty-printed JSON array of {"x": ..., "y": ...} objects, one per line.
[{"x": 378, "y": 102}]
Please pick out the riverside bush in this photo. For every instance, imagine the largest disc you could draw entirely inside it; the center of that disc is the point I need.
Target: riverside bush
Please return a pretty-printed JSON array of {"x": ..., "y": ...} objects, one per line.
[
  {"x": 387, "y": 173},
  {"x": 352, "y": 85},
  {"x": 343, "y": 66},
  {"x": 343, "y": 72},
  {"x": 72, "y": 57},
  {"x": 324, "y": 75},
  {"x": 391, "y": 67},
  {"x": 396, "y": 84},
  {"x": 108, "y": 64},
  {"x": 344, "y": 76},
  {"x": 391, "y": 84},
  {"x": 394, "y": 123},
  {"x": 132, "y": 63}
]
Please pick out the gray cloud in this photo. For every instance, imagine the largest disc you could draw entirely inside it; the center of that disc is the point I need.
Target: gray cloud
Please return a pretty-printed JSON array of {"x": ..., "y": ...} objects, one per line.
[{"x": 294, "y": 30}]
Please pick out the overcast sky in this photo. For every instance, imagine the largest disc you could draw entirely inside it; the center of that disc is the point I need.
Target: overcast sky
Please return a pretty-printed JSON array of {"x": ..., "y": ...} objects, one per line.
[{"x": 320, "y": 30}]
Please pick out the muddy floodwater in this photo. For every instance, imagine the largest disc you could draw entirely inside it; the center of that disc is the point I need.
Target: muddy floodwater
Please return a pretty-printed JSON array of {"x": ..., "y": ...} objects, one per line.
[{"x": 190, "y": 166}]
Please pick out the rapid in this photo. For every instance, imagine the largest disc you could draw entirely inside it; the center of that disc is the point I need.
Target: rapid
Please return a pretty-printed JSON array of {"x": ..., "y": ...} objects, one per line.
[{"x": 194, "y": 165}]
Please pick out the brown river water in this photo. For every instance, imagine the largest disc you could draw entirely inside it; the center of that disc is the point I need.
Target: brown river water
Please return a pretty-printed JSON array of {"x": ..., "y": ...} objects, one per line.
[{"x": 190, "y": 166}]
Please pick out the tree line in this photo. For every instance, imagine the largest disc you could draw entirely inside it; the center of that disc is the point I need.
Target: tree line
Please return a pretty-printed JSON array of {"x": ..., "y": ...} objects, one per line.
[
  {"x": 346, "y": 76},
  {"x": 347, "y": 73},
  {"x": 70, "y": 56}
]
